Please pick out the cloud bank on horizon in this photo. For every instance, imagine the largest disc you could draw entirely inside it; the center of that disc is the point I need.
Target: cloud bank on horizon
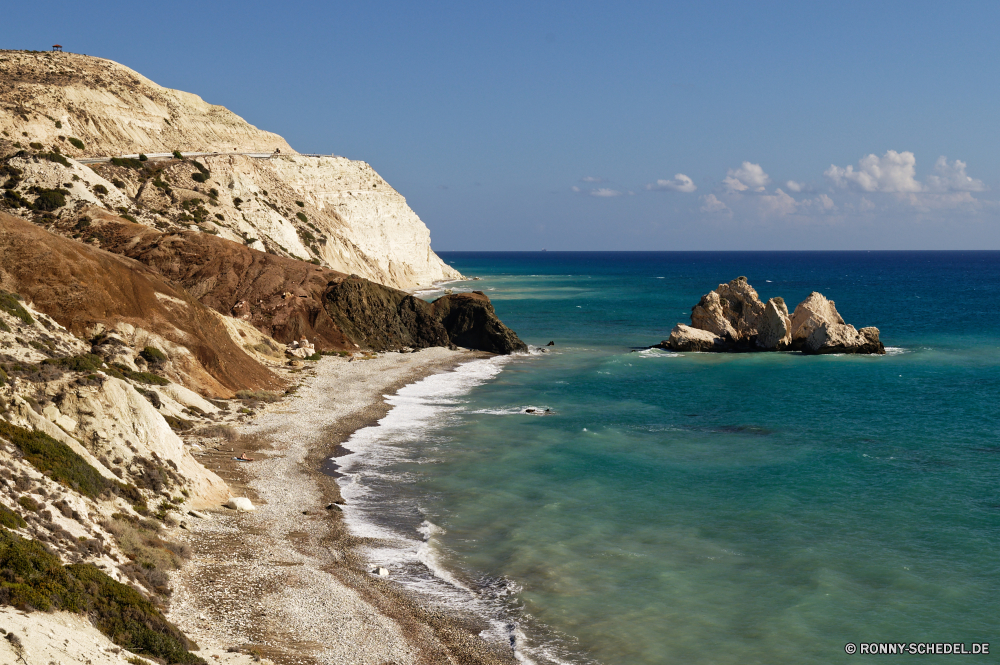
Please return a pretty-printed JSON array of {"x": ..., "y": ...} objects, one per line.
[{"x": 875, "y": 185}]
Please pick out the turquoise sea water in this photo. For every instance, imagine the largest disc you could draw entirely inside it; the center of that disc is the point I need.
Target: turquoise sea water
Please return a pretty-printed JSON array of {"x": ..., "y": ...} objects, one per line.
[{"x": 699, "y": 508}]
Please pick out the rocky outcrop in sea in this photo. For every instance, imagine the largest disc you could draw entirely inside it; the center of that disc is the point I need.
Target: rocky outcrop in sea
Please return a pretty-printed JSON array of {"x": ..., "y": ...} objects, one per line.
[{"x": 732, "y": 318}]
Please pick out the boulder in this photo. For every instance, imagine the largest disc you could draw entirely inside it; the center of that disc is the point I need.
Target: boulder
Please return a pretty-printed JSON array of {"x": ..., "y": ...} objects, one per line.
[
  {"x": 810, "y": 314},
  {"x": 733, "y": 319},
  {"x": 774, "y": 332},
  {"x": 240, "y": 504},
  {"x": 843, "y": 338},
  {"x": 470, "y": 320},
  {"x": 686, "y": 338},
  {"x": 731, "y": 311}
]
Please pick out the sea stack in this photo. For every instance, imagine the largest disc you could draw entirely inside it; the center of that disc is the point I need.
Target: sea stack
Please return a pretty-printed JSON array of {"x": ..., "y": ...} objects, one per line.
[{"x": 732, "y": 318}]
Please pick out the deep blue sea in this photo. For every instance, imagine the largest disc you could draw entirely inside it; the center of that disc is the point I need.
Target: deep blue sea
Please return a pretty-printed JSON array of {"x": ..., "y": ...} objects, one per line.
[{"x": 702, "y": 508}]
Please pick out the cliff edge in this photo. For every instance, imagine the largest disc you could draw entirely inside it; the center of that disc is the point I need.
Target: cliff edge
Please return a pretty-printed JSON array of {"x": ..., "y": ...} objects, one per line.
[{"x": 58, "y": 108}]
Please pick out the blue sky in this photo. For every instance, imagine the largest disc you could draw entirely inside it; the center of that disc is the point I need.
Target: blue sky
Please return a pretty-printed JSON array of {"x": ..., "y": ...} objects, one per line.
[{"x": 588, "y": 125}]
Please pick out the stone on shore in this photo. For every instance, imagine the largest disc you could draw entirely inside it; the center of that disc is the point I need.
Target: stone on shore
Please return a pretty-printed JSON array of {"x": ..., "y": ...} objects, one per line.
[{"x": 241, "y": 504}]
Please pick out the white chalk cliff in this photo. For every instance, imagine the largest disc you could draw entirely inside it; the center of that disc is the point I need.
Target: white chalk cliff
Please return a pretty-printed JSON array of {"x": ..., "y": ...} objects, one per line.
[{"x": 330, "y": 210}]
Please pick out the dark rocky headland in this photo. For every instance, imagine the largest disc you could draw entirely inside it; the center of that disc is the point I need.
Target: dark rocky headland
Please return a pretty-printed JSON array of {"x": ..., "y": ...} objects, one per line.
[{"x": 732, "y": 319}]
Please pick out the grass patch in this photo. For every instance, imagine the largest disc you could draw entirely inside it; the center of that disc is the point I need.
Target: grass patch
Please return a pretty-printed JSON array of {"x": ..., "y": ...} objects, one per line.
[
  {"x": 127, "y": 162},
  {"x": 47, "y": 200},
  {"x": 10, "y": 519},
  {"x": 46, "y": 454},
  {"x": 123, "y": 372},
  {"x": 87, "y": 362},
  {"x": 54, "y": 157},
  {"x": 9, "y": 304},
  {"x": 32, "y": 578},
  {"x": 153, "y": 355}
]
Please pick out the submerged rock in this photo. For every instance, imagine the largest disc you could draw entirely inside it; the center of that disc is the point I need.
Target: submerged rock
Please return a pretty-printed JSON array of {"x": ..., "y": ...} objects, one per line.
[{"x": 732, "y": 318}]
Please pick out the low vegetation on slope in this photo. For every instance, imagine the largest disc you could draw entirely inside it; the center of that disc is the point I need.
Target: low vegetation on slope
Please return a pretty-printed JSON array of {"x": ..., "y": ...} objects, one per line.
[
  {"x": 32, "y": 578},
  {"x": 57, "y": 460}
]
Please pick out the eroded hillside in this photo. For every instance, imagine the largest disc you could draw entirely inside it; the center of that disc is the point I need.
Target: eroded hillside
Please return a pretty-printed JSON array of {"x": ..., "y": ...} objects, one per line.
[{"x": 56, "y": 108}]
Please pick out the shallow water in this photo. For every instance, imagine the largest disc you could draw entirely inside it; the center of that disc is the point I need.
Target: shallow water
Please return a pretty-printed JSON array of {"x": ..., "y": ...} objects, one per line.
[{"x": 697, "y": 508}]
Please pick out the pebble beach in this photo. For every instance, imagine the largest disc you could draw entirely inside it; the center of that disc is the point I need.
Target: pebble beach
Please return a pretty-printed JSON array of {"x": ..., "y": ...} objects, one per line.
[{"x": 285, "y": 581}]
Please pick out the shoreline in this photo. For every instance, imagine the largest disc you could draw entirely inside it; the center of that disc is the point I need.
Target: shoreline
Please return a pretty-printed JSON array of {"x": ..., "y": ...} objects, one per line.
[{"x": 288, "y": 580}]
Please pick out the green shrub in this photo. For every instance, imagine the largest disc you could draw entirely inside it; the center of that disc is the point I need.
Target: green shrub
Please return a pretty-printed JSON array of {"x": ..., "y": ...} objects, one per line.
[
  {"x": 199, "y": 177},
  {"x": 143, "y": 158},
  {"x": 9, "y": 303},
  {"x": 77, "y": 143},
  {"x": 214, "y": 193},
  {"x": 127, "y": 162},
  {"x": 54, "y": 157},
  {"x": 87, "y": 362},
  {"x": 32, "y": 578},
  {"x": 47, "y": 200},
  {"x": 28, "y": 503},
  {"x": 3, "y": 374},
  {"x": 10, "y": 519},
  {"x": 35, "y": 145},
  {"x": 300, "y": 204},
  {"x": 153, "y": 355},
  {"x": 46, "y": 454},
  {"x": 302, "y": 217},
  {"x": 58, "y": 124},
  {"x": 100, "y": 189},
  {"x": 178, "y": 155},
  {"x": 148, "y": 378}
]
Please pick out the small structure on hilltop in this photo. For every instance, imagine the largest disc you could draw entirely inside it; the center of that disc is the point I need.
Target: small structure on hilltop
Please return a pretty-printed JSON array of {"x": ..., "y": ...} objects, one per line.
[{"x": 57, "y": 47}]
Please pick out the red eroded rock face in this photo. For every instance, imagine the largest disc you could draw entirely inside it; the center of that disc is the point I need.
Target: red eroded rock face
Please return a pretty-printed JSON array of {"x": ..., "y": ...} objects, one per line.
[
  {"x": 290, "y": 299},
  {"x": 279, "y": 296},
  {"x": 81, "y": 286}
]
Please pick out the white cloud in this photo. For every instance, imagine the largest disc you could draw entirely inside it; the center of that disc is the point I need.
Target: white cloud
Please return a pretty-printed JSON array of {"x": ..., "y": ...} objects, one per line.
[
  {"x": 952, "y": 177},
  {"x": 576, "y": 189},
  {"x": 712, "y": 204},
  {"x": 793, "y": 186},
  {"x": 893, "y": 172},
  {"x": 604, "y": 192},
  {"x": 825, "y": 202},
  {"x": 591, "y": 178},
  {"x": 680, "y": 183},
  {"x": 748, "y": 176},
  {"x": 778, "y": 203}
]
